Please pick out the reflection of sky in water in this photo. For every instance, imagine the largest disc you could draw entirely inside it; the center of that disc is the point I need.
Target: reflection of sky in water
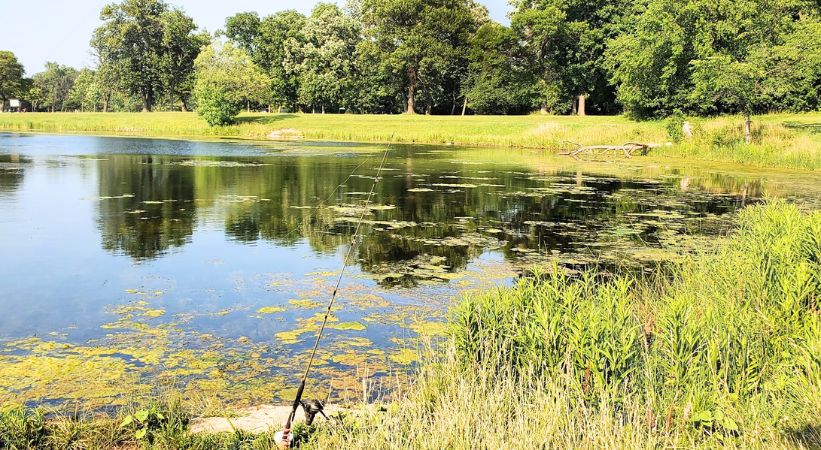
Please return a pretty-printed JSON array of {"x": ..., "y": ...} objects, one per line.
[
  {"x": 69, "y": 252},
  {"x": 211, "y": 232}
]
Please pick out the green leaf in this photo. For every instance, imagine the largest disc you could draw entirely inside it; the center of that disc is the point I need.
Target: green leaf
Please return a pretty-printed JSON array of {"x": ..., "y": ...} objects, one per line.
[
  {"x": 127, "y": 421},
  {"x": 729, "y": 424},
  {"x": 141, "y": 433},
  {"x": 141, "y": 415},
  {"x": 702, "y": 416}
]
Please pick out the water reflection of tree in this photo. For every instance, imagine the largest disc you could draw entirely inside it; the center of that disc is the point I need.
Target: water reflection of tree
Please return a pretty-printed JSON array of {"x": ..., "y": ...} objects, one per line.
[
  {"x": 12, "y": 172},
  {"x": 146, "y": 204},
  {"x": 276, "y": 200}
]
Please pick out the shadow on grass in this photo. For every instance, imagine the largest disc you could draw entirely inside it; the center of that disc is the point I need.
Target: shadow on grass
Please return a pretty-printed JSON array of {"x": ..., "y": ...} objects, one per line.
[
  {"x": 809, "y": 435},
  {"x": 264, "y": 119}
]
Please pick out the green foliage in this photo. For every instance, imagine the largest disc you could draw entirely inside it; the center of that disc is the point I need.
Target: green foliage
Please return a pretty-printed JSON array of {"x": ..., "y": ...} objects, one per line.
[
  {"x": 731, "y": 330},
  {"x": 225, "y": 79},
  {"x": 181, "y": 44},
  {"x": 498, "y": 80},
  {"x": 550, "y": 324},
  {"x": 566, "y": 42},
  {"x": 85, "y": 93},
  {"x": 708, "y": 57},
  {"x": 421, "y": 45},
  {"x": 11, "y": 76},
  {"x": 324, "y": 58},
  {"x": 21, "y": 428},
  {"x": 50, "y": 89},
  {"x": 148, "y": 46},
  {"x": 675, "y": 129},
  {"x": 266, "y": 41}
]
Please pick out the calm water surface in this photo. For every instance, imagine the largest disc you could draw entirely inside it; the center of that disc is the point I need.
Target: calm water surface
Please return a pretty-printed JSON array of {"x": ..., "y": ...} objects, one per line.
[{"x": 185, "y": 260}]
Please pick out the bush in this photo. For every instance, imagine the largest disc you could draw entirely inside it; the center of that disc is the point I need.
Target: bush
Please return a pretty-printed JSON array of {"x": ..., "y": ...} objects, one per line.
[
  {"x": 215, "y": 106},
  {"x": 675, "y": 128}
]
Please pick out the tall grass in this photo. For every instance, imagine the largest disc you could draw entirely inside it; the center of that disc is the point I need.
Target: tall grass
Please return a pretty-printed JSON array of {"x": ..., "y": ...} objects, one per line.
[
  {"x": 724, "y": 351},
  {"x": 774, "y": 143}
]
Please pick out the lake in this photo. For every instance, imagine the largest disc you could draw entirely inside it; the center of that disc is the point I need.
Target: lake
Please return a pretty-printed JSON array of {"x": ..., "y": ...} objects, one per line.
[{"x": 129, "y": 264}]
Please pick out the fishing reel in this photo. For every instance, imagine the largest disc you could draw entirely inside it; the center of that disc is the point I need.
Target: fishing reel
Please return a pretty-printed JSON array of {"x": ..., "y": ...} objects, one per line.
[{"x": 284, "y": 438}]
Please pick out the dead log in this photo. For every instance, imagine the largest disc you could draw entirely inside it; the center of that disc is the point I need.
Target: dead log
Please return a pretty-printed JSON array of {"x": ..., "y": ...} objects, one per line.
[{"x": 627, "y": 149}]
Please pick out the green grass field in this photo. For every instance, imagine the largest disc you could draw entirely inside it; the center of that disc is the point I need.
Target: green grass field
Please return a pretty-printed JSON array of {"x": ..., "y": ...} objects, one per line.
[{"x": 716, "y": 138}]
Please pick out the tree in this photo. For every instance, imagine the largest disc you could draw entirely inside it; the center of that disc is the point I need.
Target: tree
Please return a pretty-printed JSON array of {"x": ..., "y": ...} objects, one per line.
[
  {"x": 718, "y": 56},
  {"x": 51, "y": 87},
  {"x": 792, "y": 70},
  {"x": 420, "y": 42},
  {"x": 181, "y": 46},
  {"x": 148, "y": 46},
  {"x": 84, "y": 93},
  {"x": 11, "y": 76},
  {"x": 267, "y": 42},
  {"x": 324, "y": 58},
  {"x": 243, "y": 29},
  {"x": 226, "y": 77},
  {"x": 720, "y": 80},
  {"x": 567, "y": 41},
  {"x": 499, "y": 80}
]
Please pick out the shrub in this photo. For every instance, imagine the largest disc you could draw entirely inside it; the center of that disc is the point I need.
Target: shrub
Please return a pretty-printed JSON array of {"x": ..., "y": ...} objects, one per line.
[
  {"x": 215, "y": 106},
  {"x": 675, "y": 128}
]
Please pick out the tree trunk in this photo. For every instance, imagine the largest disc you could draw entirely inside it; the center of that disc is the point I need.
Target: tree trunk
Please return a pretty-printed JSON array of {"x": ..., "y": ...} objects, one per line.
[
  {"x": 748, "y": 135},
  {"x": 465, "y": 105},
  {"x": 411, "y": 91},
  {"x": 148, "y": 101},
  {"x": 582, "y": 100}
]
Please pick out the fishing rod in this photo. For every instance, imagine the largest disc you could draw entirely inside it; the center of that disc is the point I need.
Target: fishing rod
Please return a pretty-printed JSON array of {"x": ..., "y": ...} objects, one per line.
[{"x": 284, "y": 437}]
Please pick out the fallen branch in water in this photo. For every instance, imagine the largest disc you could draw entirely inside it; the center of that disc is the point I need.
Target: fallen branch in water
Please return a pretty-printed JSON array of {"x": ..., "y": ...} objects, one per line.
[{"x": 628, "y": 149}]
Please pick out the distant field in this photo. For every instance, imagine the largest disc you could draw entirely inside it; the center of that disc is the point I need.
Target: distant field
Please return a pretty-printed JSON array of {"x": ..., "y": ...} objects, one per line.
[{"x": 717, "y": 138}]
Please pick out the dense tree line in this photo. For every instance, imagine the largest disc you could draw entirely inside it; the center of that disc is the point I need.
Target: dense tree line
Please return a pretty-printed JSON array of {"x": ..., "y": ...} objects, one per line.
[{"x": 647, "y": 58}]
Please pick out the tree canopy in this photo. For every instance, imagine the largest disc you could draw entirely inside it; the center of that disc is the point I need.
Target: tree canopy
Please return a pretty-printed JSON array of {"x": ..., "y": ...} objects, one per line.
[
  {"x": 226, "y": 79},
  {"x": 648, "y": 58},
  {"x": 150, "y": 46},
  {"x": 11, "y": 76},
  {"x": 714, "y": 56}
]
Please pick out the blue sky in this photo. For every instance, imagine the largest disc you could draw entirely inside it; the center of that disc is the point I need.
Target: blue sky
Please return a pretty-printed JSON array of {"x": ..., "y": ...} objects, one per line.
[{"x": 59, "y": 30}]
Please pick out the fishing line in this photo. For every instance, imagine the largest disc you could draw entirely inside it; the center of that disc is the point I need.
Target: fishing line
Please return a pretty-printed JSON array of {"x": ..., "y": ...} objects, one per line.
[
  {"x": 285, "y": 433},
  {"x": 323, "y": 202}
]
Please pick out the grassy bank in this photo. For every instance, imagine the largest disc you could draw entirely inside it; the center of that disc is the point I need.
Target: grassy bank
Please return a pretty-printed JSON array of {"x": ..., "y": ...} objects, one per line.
[
  {"x": 723, "y": 350},
  {"x": 717, "y": 138}
]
